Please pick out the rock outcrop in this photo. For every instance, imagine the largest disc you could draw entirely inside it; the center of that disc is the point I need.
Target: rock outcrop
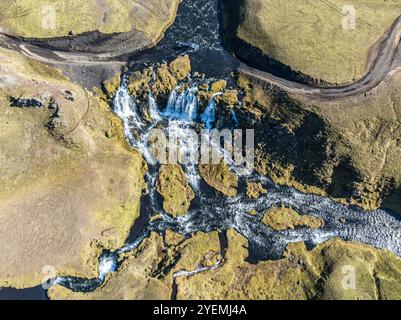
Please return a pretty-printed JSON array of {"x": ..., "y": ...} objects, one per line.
[
  {"x": 220, "y": 178},
  {"x": 348, "y": 149}
]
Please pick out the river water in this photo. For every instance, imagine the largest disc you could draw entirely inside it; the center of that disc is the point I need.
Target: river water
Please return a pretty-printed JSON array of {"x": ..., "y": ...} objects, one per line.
[{"x": 197, "y": 31}]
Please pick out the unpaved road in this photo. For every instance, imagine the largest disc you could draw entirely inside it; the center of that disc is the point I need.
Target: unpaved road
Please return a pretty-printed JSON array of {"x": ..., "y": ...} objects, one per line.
[{"x": 383, "y": 63}]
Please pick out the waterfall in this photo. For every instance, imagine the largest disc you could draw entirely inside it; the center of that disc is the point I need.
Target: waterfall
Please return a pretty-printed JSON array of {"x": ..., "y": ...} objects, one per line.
[
  {"x": 208, "y": 117},
  {"x": 182, "y": 106},
  {"x": 170, "y": 109},
  {"x": 125, "y": 107},
  {"x": 153, "y": 108}
]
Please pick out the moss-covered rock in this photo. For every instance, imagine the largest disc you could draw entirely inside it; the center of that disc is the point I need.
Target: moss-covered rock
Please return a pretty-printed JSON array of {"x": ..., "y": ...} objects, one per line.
[
  {"x": 286, "y": 218},
  {"x": 68, "y": 187},
  {"x": 220, "y": 178},
  {"x": 228, "y": 97},
  {"x": 181, "y": 67},
  {"x": 218, "y": 86},
  {"x": 110, "y": 86},
  {"x": 174, "y": 187},
  {"x": 165, "y": 82}
]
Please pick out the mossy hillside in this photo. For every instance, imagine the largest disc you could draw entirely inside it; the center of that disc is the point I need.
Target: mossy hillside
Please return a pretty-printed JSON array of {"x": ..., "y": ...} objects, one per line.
[
  {"x": 348, "y": 149},
  {"x": 67, "y": 160},
  {"x": 60, "y": 18},
  {"x": 133, "y": 280},
  {"x": 308, "y": 36},
  {"x": 147, "y": 272}
]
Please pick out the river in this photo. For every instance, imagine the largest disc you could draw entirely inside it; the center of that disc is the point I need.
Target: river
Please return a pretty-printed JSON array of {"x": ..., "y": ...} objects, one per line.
[{"x": 197, "y": 31}]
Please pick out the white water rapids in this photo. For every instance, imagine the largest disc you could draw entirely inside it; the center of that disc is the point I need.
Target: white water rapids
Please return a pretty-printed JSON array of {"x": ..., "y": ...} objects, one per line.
[{"x": 211, "y": 211}]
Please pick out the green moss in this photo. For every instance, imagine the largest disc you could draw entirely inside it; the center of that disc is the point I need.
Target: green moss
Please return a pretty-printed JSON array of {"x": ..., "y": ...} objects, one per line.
[
  {"x": 286, "y": 218},
  {"x": 220, "y": 178},
  {"x": 58, "y": 18},
  {"x": 181, "y": 67}
]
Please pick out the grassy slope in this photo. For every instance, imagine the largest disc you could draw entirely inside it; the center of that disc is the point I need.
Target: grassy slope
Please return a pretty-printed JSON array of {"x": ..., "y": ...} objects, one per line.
[
  {"x": 35, "y": 19},
  {"x": 308, "y": 36},
  {"x": 63, "y": 193}
]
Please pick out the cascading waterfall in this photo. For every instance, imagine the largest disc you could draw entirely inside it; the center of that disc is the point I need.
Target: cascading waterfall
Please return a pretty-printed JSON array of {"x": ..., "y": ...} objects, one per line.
[
  {"x": 208, "y": 118},
  {"x": 182, "y": 106},
  {"x": 126, "y": 108},
  {"x": 153, "y": 108},
  {"x": 211, "y": 211}
]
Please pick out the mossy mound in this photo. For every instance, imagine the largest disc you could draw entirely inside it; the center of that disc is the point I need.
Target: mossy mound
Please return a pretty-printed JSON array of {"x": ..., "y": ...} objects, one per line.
[
  {"x": 220, "y": 178},
  {"x": 281, "y": 219},
  {"x": 181, "y": 67},
  {"x": 175, "y": 190}
]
